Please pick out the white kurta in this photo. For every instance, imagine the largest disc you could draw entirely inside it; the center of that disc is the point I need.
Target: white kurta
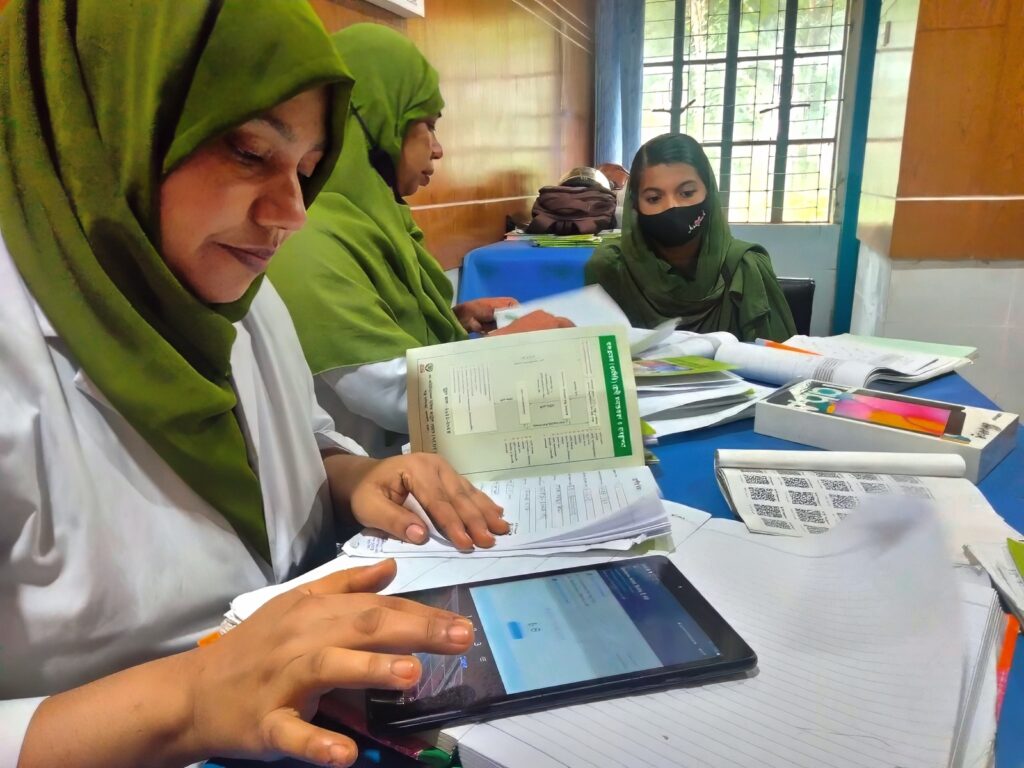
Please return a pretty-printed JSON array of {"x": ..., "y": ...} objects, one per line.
[
  {"x": 368, "y": 402},
  {"x": 108, "y": 558}
]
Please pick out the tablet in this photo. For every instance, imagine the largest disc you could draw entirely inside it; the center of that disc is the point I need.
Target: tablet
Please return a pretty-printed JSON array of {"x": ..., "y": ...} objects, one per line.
[{"x": 563, "y": 637}]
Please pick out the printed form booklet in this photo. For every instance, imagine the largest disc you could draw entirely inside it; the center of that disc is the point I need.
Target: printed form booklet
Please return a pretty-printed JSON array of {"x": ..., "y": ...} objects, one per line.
[{"x": 546, "y": 423}]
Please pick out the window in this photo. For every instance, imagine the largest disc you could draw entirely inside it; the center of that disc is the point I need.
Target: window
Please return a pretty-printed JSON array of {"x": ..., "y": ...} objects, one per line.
[{"x": 759, "y": 84}]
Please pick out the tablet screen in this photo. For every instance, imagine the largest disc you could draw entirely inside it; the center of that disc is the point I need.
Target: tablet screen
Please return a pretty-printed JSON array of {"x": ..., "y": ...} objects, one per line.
[{"x": 558, "y": 629}]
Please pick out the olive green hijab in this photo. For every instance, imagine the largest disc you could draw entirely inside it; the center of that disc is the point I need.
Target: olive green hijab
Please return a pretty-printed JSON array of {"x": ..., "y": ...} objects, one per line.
[
  {"x": 357, "y": 280},
  {"x": 734, "y": 289},
  {"x": 101, "y": 99}
]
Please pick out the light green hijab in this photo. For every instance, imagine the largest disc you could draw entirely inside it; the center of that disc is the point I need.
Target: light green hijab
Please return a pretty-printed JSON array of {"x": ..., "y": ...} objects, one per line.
[
  {"x": 357, "y": 280},
  {"x": 734, "y": 289},
  {"x": 100, "y": 100}
]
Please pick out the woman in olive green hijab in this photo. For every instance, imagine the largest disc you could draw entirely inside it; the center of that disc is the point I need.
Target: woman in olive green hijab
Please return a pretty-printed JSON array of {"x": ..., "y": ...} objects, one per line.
[
  {"x": 677, "y": 257},
  {"x": 359, "y": 283},
  {"x": 160, "y": 449}
]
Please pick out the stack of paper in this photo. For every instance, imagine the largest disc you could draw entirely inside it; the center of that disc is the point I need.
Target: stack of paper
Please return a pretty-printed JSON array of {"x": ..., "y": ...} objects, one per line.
[
  {"x": 610, "y": 509},
  {"x": 996, "y": 559},
  {"x": 851, "y": 671},
  {"x": 683, "y": 402},
  {"x": 984, "y": 620},
  {"x": 794, "y": 493}
]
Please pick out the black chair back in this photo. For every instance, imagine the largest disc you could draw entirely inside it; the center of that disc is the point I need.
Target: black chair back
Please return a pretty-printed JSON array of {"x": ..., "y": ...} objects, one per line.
[{"x": 799, "y": 293}]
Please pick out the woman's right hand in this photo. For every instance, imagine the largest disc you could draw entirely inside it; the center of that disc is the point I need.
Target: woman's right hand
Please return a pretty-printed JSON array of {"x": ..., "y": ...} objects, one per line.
[
  {"x": 255, "y": 689},
  {"x": 538, "y": 320}
]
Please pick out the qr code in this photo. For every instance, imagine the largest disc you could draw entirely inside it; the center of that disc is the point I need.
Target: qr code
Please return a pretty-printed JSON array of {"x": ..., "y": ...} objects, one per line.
[
  {"x": 796, "y": 482},
  {"x": 767, "y": 510},
  {"x": 869, "y": 476},
  {"x": 834, "y": 475},
  {"x": 842, "y": 515},
  {"x": 776, "y": 523},
  {"x": 755, "y": 478},
  {"x": 918, "y": 492},
  {"x": 815, "y": 529},
  {"x": 874, "y": 487},
  {"x": 803, "y": 497},
  {"x": 907, "y": 480},
  {"x": 839, "y": 501},
  {"x": 762, "y": 494},
  {"x": 811, "y": 516},
  {"x": 790, "y": 472},
  {"x": 836, "y": 485}
]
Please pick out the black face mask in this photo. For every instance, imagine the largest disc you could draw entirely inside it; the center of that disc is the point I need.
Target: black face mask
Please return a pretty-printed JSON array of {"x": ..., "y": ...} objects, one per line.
[{"x": 675, "y": 226}]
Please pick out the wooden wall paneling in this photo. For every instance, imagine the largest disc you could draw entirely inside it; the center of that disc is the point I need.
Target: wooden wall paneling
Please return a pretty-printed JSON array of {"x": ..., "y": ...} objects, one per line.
[
  {"x": 337, "y": 14},
  {"x": 958, "y": 229},
  {"x": 518, "y": 87},
  {"x": 517, "y": 78}
]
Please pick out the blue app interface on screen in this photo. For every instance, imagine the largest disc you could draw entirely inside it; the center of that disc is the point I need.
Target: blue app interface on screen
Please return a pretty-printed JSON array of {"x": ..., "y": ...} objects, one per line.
[{"x": 584, "y": 625}]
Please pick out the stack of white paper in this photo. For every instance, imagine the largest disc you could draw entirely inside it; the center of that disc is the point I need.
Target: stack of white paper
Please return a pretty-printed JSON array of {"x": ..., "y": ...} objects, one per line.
[
  {"x": 609, "y": 508},
  {"x": 673, "y": 404},
  {"x": 860, "y": 657},
  {"x": 994, "y": 557},
  {"x": 438, "y": 571}
]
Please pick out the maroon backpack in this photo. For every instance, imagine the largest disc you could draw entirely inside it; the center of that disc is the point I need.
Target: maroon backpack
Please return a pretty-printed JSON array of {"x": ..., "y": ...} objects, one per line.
[{"x": 572, "y": 211}]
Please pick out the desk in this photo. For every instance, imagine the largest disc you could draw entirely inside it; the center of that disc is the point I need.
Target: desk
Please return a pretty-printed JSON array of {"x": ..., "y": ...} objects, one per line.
[
  {"x": 686, "y": 475},
  {"x": 521, "y": 270}
]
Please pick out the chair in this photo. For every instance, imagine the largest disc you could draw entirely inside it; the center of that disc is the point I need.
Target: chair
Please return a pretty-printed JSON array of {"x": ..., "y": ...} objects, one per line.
[{"x": 799, "y": 293}]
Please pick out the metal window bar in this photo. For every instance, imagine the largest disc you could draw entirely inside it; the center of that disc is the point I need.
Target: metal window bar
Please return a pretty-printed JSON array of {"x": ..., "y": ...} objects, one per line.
[
  {"x": 776, "y": 181},
  {"x": 679, "y": 33},
  {"x": 785, "y": 103},
  {"x": 753, "y": 57},
  {"x": 732, "y": 47}
]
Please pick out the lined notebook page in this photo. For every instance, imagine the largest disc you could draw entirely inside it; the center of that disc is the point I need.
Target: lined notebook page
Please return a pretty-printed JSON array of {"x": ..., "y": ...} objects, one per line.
[{"x": 860, "y": 658}]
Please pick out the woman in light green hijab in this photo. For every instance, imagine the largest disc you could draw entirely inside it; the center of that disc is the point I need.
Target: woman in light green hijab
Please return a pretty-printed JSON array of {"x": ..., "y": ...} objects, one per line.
[
  {"x": 161, "y": 450},
  {"x": 359, "y": 283},
  {"x": 677, "y": 257}
]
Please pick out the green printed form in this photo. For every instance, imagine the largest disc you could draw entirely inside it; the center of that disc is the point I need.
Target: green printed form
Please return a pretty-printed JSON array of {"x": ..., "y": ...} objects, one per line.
[
  {"x": 518, "y": 405},
  {"x": 619, "y": 420}
]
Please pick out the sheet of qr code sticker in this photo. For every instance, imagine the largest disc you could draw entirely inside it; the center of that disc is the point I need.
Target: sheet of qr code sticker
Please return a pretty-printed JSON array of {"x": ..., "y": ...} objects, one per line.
[{"x": 797, "y": 503}]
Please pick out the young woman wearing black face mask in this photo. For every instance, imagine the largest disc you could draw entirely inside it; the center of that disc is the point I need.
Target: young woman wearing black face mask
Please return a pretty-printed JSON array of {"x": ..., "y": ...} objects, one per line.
[{"x": 677, "y": 257}]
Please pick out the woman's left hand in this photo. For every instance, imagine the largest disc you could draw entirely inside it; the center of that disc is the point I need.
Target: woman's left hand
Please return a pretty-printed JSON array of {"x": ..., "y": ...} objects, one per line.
[
  {"x": 374, "y": 491},
  {"x": 477, "y": 316}
]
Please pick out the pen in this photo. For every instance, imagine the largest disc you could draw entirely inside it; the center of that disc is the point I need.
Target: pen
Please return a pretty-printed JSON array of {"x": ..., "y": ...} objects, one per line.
[{"x": 776, "y": 345}]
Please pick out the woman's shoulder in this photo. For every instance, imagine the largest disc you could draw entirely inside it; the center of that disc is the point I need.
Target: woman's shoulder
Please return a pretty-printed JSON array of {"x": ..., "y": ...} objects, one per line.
[{"x": 605, "y": 261}]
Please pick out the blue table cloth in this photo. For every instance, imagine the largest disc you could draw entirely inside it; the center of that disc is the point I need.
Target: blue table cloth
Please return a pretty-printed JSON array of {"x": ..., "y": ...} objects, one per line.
[
  {"x": 686, "y": 475},
  {"x": 521, "y": 270}
]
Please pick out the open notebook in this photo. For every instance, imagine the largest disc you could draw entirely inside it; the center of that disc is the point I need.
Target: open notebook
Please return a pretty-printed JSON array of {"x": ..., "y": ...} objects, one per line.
[{"x": 836, "y": 360}]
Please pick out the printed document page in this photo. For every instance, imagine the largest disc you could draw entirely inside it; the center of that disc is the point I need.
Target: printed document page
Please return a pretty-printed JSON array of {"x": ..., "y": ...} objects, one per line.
[
  {"x": 546, "y": 402},
  {"x": 610, "y": 508}
]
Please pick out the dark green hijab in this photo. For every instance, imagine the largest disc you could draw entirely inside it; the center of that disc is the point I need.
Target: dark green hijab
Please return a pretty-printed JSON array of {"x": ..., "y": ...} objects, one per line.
[
  {"x": 734, "y": 289},
  {"x": 357, "y": 280},
  {"x": 100, "y": 100}
]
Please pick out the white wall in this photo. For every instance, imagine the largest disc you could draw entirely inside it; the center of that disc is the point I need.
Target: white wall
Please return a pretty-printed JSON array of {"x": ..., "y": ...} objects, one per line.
[
  {"x": 964, "y": 302},
  {"x": 802, "y": 250}
]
